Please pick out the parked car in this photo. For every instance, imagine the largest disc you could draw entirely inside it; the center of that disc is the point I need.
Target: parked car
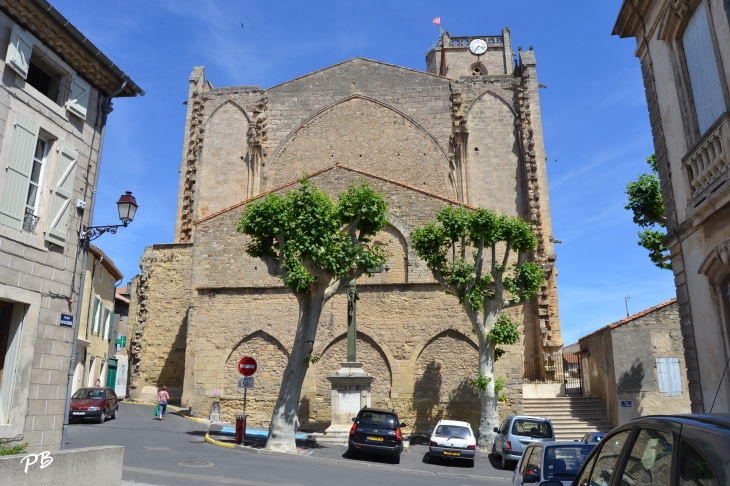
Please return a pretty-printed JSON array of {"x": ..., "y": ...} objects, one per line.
[
  {"x": 551, "y": 464},
  {"x": 516, "y": 432},
  {"x": 452, "y": 440},
  {"x": 376, "y": 431},
  {"x": 593, "y": 437},
  {"x": 664, "y": 450},
  {"x": 94, "y": 403}
]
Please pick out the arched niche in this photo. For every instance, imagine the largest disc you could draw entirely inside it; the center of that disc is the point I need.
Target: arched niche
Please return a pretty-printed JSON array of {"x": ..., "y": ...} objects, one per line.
[{"x": 395, "y": 269}]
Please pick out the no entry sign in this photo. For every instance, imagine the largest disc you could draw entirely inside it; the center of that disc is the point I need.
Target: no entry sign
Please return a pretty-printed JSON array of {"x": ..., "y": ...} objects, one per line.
[{"x": 247, "y": 366}]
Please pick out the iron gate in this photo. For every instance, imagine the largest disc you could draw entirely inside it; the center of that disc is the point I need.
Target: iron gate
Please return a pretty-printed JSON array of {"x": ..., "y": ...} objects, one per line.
[{"x": 564, "y": 368}]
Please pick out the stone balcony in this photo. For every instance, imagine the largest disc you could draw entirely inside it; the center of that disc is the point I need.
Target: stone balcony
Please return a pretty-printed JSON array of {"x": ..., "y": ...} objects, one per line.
[{"x": 707, "y": 166}]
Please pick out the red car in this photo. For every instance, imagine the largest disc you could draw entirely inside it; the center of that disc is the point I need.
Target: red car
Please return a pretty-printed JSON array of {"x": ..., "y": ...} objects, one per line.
[{"x": 94, "y": 403}]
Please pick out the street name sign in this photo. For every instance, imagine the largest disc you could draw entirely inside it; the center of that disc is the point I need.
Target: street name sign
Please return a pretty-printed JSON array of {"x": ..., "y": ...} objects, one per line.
[{"x": 67, "y": 320}]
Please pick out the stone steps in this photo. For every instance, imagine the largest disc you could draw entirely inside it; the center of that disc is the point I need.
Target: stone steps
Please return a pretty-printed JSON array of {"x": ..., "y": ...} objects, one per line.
[{"x": 572, "y": 417}]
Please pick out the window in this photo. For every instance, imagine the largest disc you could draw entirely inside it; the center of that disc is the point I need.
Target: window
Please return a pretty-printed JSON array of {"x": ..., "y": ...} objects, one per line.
[
  {"x": 532, "y": 428},
  {"x": 583, "y": 480},
  {"x": 478, "y": 69},
  {"x": 650, "y": 460},
  {"x": 694, "y": 470},
  {"x": 699, "y": 54},
  {"x": 534, "y": 463},
  {"x": 34, "y": 186},
  {"x": 448, "y": 431},
  {"x": 43, "y": 75},
  {"x": 505, "y": 427},
  {"x": 564, "y": 462},
  {"x": 607, "y": 458},
  {"x": 670, "y": 382},
  {"x": 525, "y": 459},
  {"x": 90, "y": 379}
]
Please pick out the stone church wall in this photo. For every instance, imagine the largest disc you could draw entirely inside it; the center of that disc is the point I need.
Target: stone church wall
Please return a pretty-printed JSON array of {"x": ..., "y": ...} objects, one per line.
[{"x": 159, "y": 326}]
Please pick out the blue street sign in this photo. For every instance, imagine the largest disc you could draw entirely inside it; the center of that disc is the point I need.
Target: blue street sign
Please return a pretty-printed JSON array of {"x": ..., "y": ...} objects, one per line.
[
  {"x": 626, "y": 404},
  {"x": 67, "y": 320}
]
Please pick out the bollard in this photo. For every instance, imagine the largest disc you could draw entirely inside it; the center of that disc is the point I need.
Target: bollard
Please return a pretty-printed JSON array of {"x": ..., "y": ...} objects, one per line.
[{"x": 240, "y": 424}]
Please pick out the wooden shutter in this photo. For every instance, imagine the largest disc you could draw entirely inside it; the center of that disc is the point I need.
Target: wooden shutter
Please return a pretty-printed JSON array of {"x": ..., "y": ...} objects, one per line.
[
  {"x": 670, "y": 380},
  {"x": 17, "y": 174},
  {"x": 105, "y": 334},
  {"x": 63, "y": 187},
  {"x": 94, "y": 318},
  {"x": 662, "y": 373},
  {"x": 78, "y": 99},
  {"x": 110, "y": 336},
  {"x": 20, "y": 49},
  {"x": 699, "y": 54}
]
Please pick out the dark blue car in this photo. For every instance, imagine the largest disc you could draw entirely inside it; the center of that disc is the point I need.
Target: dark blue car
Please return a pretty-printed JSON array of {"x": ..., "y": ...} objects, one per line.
[{"x": 593, "y": 437}]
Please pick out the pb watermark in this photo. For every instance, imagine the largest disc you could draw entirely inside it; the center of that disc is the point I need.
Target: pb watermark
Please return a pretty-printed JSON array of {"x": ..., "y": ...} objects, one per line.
[{"x": 45, "y": 458}]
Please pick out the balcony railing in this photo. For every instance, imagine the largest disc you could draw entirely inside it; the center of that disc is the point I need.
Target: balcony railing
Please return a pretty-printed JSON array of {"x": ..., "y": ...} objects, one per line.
[
  {"x": 709, "y": 159},
  {"x": 491, "y": 40},
  {"x": 29, "y": 221}
]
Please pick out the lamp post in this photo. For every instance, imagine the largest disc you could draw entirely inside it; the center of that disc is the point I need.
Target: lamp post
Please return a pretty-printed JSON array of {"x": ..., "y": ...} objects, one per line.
[{"x": 127, "y": 207}]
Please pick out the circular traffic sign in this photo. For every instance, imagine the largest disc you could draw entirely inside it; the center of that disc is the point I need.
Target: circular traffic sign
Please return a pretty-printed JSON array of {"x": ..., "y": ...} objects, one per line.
[{"x": 247, "y": 366}]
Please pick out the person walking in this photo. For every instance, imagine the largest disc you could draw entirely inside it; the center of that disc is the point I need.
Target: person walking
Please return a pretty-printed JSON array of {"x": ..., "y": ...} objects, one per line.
[
  {"x": 97, "y": 383},
  {"x": 162, "y": 398}
]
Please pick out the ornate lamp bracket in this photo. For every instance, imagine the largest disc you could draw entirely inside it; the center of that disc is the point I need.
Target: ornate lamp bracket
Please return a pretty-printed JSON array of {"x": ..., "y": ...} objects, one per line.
[{"x": 93, "y": 232}]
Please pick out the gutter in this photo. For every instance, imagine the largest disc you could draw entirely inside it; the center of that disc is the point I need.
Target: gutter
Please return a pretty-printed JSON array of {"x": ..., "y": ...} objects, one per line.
[{"x": 95, "y": 51}]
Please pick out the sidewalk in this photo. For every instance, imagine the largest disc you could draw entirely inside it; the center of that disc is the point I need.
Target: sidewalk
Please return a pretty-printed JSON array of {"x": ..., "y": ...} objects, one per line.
[{"x": 225, "y": 433}]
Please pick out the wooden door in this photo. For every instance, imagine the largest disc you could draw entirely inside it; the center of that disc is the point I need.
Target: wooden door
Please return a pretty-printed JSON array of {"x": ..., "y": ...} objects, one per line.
[{"x": 6, "y": 310}]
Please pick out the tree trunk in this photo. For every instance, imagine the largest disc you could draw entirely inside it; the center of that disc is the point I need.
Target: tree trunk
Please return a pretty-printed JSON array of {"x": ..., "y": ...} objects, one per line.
[
  {"x": 285, "y": 421},
  {"x": 489, "y": 417}
]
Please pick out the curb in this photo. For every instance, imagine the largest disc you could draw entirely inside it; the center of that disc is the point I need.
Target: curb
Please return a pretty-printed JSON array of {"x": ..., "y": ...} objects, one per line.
[{"x": 218, "y": 443}]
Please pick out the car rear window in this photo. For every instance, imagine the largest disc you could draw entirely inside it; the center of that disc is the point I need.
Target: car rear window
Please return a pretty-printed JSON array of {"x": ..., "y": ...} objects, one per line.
[
  {"x": 449, "y": 431},
  {"x": 385, "y": 420},
  {"x": 537, "y": 429},
  {"x": 564, "y": 462},
  {"x": 89, "y": 394}
]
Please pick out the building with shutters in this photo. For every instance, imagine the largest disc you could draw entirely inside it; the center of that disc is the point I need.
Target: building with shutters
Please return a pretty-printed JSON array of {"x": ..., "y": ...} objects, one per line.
[
  {"x": 466, "y": 130},
  {"x": 55, "y": 95},
  {"x": 96, "y": 351},
  {"x": 636, "y": 366},
  {"x": 684, "y": 50}
]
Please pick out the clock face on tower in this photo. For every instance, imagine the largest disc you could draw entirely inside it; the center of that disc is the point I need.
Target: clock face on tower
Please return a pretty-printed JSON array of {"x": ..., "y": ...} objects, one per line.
[{"x": 478, "y": 46}]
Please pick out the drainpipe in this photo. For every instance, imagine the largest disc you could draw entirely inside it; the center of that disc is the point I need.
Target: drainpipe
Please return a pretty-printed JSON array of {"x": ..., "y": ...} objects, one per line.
[
  {"x": 727, "y": 11},
  {"x": 105, "y": 109}
]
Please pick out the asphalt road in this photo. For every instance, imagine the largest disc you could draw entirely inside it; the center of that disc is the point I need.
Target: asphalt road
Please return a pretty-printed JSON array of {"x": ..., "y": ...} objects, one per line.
[{"x": 172, "y": 452}]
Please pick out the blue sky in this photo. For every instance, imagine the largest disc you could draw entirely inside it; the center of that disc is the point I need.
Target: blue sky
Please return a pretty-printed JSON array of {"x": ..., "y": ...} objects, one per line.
[{"x": 597, "y": 130}]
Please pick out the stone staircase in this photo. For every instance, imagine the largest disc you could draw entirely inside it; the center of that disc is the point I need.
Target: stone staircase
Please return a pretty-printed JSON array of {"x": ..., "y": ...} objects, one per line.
[{"x": 572, "y": 417}]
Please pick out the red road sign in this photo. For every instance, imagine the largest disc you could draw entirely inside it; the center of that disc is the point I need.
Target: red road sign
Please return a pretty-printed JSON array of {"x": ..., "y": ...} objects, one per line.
[{"x": 247, "y": 366}]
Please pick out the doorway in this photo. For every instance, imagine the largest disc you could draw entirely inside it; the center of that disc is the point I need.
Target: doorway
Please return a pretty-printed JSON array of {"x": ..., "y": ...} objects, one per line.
[{"x": 6, "y": 310}]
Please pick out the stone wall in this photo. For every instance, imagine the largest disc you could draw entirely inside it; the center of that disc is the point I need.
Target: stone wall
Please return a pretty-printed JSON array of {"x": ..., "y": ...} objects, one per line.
[{"x": 159, "y": 304}]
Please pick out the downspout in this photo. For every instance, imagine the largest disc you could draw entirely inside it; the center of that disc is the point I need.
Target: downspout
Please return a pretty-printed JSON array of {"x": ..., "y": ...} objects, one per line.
[
  {"x": 727, "y": 11},
  {"x": 105, "y": 109}
]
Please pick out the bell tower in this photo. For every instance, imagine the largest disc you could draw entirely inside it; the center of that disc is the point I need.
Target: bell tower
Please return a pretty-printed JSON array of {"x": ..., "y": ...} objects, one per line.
[{"x": 482, "y": 55}]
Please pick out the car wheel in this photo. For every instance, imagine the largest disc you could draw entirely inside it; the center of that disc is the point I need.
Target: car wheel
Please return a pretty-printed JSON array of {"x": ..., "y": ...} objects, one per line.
[
  {"x": 470, "y": 463},
  {"x": 396, "y": 459},
  {"x": 494, "y": 448},
  {"x": 114, "y": 414},
  {"x": 351, "y": 454},
  {"x": 102, "y": 417}
]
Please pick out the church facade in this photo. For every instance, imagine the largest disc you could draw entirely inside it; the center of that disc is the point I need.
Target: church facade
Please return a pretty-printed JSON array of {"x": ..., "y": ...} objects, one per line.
[{"x": 465, "y": 131}]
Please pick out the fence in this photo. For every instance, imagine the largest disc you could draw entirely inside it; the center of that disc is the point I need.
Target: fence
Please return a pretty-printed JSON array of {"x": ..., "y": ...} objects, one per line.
[{"x": 562, "y": 368}]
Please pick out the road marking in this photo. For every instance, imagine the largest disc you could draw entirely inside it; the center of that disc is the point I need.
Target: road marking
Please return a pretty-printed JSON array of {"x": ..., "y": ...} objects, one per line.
[
  {"x": 157, "y": 448},
  {"x": 201, "y": 477}
]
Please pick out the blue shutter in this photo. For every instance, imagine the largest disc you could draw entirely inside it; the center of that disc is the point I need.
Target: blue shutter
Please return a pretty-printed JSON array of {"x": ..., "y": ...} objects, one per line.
[
  {"x": 675, "y": 379},
  {"x": 699, "y": 54},
  {"x": 662, "y": 373},
  {"x": 17, "y": 174}
]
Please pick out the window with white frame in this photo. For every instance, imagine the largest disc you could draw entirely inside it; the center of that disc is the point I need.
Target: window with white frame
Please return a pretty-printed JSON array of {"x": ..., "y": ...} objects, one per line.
[
  {"x": 34, "y": 186},
  {"x": 41, "y": 73},
  {"x": 668, "y": 377},
  {"x": 96, "y": 315},
  {"x": 107, "y": 323},
  {"x": 704, "y": 77}
]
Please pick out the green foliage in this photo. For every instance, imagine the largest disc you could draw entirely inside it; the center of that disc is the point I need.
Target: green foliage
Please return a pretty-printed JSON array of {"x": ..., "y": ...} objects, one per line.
[
  {"x": 498, "y": 385},
  {"x": 646, "y": 204},
  {"x": 311, "y": 360},
  {"x": 652, "y": 240},
  {"x": 504, "y": 331},
  {"x": 481, "y": 382},
  {"x": 6, "y": 450},
  {"x": 498, "y": 353},
  {"x": 305, "y": 227},
  {"x": 502, "y": 398}
]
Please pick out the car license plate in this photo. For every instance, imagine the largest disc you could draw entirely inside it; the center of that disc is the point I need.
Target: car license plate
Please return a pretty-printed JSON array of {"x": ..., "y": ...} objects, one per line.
[
  {"x": 79, "y": 413},
  {"x": 452, "y": 453},
  {"x": 376, "y": 439}
]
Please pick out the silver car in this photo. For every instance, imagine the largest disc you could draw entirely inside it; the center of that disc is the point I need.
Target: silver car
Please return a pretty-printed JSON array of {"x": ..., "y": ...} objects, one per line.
[
  {"x": 551, "y": 464},
  {"x": 516, "y": 432}
]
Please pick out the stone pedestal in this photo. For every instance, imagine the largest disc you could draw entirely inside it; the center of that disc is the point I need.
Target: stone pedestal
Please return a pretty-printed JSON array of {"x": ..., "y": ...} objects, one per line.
[{"x": 350, "y": 393}]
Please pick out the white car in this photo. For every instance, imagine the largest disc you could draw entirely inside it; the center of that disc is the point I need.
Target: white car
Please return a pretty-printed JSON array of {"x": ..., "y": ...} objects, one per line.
[{"x": 452, "y": 439}]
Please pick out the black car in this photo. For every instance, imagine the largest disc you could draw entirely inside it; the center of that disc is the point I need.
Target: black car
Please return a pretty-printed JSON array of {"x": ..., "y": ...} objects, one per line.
[
  {"x": 376, "y": 431},
  {"x": 662, "y": 450}
]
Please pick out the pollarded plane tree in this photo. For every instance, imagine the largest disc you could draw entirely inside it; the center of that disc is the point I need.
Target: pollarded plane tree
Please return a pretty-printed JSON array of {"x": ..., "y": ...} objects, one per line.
[
  {"x": 470, "y": 252},
  {"x": 313, "y": 245}
]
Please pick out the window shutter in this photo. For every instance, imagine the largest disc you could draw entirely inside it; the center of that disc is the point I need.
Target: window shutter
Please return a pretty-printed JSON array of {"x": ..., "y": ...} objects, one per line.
[
  {"x": 675, "y": 379},
  {"x": 17, "y": 174},
  {"x": 105, "y": 334},
  {"x": 702, "y": 67},
  {"x": 63, "y": 187},
  {"x": 94, "y": 320},
  {"x": 78, "y": 99},
  {"x": 20, "y": 49},
  {"x": 662, "y": 371},
  {"x": 110, "y": 336}
]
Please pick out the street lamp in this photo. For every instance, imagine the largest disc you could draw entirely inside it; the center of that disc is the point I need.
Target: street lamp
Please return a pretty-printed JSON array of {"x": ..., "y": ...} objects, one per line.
[{"x": 127, "y": 207}]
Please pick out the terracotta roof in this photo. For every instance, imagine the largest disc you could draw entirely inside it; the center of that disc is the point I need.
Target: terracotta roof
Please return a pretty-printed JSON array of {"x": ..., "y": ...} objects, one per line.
[
  {"x": 336, "y": 166},
  {"x": 633, "y": 317},
  {"x": 360, "y": 59},
  {"x": 119, "y": 295},
  {"x": 106, "y": 261}
]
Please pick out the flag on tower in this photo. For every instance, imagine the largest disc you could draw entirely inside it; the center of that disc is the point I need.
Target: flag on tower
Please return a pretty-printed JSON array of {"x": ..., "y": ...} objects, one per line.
[{"x": 437, "y": 21}]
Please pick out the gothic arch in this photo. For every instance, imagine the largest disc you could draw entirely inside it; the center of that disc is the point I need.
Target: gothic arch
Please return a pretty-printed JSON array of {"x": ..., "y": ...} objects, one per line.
[
  {"x": 263, "y": 334},
  {"x": 421, "y": 344},
  {"x": 271, "y": 357},
  {"x": 227, "y": 102},
  {"x": 495, "y": 95},
  {"x": 398, "y": 254},
  {"x": 269, "y": 162}
]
